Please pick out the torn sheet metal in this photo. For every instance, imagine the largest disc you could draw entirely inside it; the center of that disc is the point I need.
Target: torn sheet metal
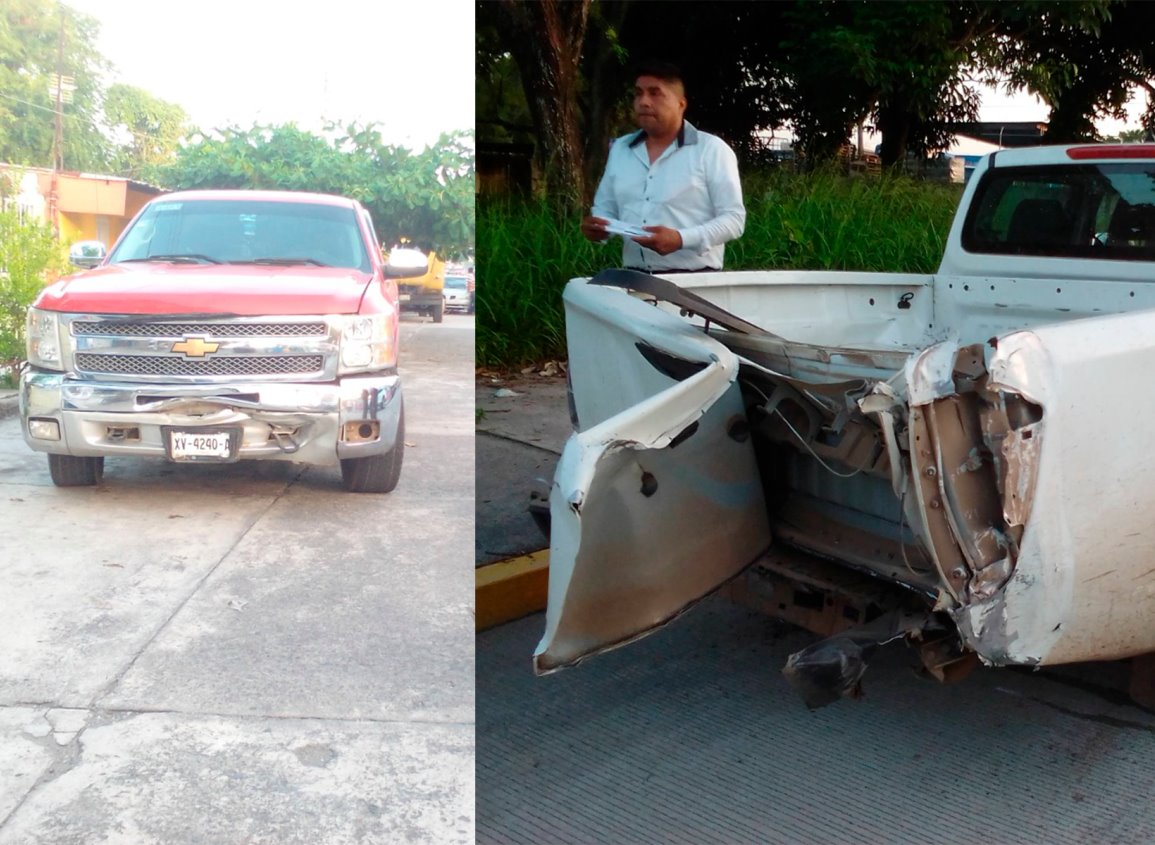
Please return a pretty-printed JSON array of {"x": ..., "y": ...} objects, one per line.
[
  {"x": 659, "y": 504},
  {"x": 1079, "y": 479},
  {"x": 1022, "y": 467}
]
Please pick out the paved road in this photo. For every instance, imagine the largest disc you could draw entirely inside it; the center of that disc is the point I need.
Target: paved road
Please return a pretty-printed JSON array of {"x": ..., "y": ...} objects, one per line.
[
  {"x": 245, "y": 653},
  {"x": 522, "y": 426},
  {"x": 692, "y": 736}
]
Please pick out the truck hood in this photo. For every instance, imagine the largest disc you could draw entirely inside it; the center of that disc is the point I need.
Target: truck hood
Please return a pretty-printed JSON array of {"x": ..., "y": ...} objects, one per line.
[{"x": 243, "y": 290}]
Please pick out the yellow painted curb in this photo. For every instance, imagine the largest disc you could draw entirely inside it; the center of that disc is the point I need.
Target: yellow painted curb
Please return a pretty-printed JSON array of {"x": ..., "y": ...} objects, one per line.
[{"x": 511, "y": 589}]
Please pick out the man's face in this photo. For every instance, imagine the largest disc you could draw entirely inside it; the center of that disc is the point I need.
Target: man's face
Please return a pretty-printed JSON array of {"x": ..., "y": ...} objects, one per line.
[{"x": 658, "y": 105}]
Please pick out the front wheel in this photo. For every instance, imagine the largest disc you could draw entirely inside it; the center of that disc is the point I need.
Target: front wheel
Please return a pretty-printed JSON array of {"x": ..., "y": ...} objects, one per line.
[
  {"x": 438, "y": 312},
  {"x": 378, "y": 473},
  {"x": 71, "y": 471}
]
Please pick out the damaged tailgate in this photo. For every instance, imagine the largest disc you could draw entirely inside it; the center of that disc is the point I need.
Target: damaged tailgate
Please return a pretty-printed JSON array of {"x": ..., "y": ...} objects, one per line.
[{"x": 657, "y": 499}]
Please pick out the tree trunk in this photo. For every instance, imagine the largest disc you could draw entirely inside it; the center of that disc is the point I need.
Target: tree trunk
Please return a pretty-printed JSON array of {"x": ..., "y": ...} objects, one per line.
[
  {"x": 545, "y": 39},
  {"x": 894, "y": 124},
  {"x": 603, "y": 78},
  {"x": 1071, "y": 117}
]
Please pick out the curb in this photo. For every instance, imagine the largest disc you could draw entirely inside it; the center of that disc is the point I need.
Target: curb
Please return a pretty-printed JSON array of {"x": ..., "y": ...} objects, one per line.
[{"x": 510, "y": 589}]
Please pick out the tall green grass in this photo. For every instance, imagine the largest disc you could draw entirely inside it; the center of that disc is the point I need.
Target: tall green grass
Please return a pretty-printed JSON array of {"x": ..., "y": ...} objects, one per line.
[{"x": 527, "y": 251}]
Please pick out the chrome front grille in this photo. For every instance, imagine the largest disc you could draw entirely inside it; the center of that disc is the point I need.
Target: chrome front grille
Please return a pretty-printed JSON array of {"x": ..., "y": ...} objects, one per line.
[
  {"x": 118, "y": 328},
  {"x": 203, "y": 350},
  {"x": 155, "y": 365}
]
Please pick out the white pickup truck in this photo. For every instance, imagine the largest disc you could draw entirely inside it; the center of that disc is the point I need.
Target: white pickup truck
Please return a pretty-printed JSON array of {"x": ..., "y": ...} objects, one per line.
[{"x": 960, "y": 459}]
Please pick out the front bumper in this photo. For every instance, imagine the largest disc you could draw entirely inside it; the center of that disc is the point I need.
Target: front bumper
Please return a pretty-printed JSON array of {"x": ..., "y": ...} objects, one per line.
[{"x": 355, "y": 417}]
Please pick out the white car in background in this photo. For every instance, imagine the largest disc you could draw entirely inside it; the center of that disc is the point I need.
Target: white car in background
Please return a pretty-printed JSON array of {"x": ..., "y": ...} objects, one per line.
[{"x": 456, "y": 293}]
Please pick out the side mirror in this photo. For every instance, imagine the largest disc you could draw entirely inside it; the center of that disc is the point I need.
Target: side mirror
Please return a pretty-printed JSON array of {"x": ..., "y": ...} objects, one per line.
[
  {"x": 86, "y": 254},
  {"x": 406, "y": 263}
]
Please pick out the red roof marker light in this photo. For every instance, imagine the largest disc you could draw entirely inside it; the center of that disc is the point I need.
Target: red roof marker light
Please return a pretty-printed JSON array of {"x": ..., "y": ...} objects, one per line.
[{"x": 1113, "y": 151}]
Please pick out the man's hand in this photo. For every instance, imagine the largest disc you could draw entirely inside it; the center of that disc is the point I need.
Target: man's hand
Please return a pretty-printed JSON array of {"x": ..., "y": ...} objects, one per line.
[
  {"x": 594, "y": 228},
  {"x": 663, "y": 241}
]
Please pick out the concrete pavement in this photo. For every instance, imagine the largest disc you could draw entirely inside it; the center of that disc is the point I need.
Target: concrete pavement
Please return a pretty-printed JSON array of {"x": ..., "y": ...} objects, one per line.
[
  {"x": 693, "y": 735},
  {"x": 522, "y": 425},
  {"x": 9, "y": 402},
  {"x": 245, "y": 652}
]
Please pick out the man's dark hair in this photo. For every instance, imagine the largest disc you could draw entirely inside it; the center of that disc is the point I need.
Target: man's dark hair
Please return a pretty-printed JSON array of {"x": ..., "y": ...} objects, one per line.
[{"x": 665, "y": 71}]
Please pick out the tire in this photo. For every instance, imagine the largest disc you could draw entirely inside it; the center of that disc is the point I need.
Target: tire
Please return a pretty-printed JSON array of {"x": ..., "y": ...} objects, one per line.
[
  {"x": 71, "y": 471},
  {"x": 379, "y": 473},
  {"x": 437, "y": 312}
]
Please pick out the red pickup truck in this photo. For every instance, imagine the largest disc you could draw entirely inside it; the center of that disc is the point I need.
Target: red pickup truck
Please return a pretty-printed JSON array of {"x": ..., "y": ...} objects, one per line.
[{"x": 223, "y": 325}]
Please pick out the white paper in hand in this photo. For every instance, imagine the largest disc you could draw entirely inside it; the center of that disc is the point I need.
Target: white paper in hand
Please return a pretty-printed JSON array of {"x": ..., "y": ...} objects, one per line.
[{"x": 629, "y": 230}]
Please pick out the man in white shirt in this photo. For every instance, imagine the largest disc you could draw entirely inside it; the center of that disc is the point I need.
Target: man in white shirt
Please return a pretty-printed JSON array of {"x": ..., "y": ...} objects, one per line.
[{"x": 670, "y": 190}]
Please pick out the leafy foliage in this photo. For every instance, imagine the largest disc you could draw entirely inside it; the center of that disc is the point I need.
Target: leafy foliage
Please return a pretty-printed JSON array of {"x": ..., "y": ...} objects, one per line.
[
  {"x": 29, "y": 257},
  {"x": 31, "y": 35},
  {"x": 153, "y": 128},
  {"x": 425, "y": 197},
  {"x": 820, "y": 220},
  {"x": 821, "y": 66},
  {"x": 1084, "y": 62}
]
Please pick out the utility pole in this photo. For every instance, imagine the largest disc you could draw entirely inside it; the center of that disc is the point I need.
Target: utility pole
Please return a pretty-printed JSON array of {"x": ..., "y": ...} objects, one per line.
[{"x": 58, "y": 135}]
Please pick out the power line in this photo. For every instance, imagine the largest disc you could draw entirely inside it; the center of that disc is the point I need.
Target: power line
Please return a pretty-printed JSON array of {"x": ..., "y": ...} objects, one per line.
[{"x": 38, "y": 106}]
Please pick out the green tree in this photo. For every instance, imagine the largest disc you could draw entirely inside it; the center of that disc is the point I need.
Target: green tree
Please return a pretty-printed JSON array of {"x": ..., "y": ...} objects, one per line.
[
  {"x": 152, "y": 130},
  {"x": 545, "y": 39},
  {"x": 29, "y": 257},
  {"x": 35, "y": 37},
  {"x": 501, "y": 111},
  {"x": 1085, "y": 60},
  {"x": 817, "y": 66},
  {"x": 728, "y": 55},
  {"x": 426, "y": 197}
]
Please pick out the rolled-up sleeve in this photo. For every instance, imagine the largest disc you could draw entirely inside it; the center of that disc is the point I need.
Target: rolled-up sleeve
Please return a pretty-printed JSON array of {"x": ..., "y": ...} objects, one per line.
[{"x": 725, "y": 189}]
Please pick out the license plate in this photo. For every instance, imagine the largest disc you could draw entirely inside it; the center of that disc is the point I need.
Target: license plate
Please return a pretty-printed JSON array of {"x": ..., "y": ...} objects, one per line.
[
  {"x": 403, "y": 297},
  {"x": 200, "y": 445}
]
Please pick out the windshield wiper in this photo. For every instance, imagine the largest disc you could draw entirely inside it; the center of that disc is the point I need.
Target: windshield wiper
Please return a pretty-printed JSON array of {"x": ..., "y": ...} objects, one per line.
[
  {"x": 183, "y": 258},
  {"x": 283, "y": 262}
]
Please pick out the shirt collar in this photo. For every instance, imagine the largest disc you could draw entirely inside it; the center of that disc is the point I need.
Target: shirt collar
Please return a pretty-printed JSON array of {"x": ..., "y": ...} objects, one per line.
[{"x": 687, "y": 135}]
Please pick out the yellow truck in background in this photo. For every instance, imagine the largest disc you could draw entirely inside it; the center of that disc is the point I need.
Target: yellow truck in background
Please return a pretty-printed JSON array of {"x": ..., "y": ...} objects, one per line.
[{"x": 424, "y": 294}]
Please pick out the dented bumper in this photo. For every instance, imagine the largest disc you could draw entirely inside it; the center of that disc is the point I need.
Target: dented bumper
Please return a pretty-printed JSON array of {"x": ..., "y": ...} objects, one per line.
[{"x": 310, "y": 423}]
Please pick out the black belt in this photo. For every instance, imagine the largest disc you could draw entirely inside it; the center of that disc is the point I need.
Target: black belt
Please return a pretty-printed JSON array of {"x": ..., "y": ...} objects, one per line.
[{"x": 651, "y": 272}]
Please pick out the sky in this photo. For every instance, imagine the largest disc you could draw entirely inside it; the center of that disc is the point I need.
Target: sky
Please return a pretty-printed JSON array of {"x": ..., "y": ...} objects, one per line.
[
  {"x": 998, "y": 106},
  {"x": 407, "y": 66}
]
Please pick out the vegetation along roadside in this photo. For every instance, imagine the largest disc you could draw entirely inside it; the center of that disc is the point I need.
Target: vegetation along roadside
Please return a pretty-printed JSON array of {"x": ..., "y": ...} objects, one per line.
[{"x": 821, "y": 220}]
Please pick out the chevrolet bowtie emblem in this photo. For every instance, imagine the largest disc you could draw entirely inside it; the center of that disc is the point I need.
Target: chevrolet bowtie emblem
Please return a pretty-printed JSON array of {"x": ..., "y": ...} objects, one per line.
[{"x": 195, "y": 347}]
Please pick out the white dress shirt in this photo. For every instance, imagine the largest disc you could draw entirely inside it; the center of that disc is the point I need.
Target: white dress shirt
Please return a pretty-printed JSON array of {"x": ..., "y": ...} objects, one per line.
[{"x": 693, "y": 187}]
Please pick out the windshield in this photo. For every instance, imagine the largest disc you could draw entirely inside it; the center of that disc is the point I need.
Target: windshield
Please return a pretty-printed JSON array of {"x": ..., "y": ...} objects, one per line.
[
  {"x": 210, "y": 231},
  {"x": 456, "y": 282},
  {"x": 1090, "y": 211}
]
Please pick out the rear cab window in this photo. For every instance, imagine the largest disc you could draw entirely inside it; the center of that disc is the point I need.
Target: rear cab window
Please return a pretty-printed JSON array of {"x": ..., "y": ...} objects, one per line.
[{"x": 1099, "y": 211}]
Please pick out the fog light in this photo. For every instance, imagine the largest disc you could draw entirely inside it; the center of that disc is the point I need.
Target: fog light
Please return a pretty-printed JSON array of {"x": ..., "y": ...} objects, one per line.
[
  {"x": 44, "y": 429},
  {"x": 362, "y": 432}
]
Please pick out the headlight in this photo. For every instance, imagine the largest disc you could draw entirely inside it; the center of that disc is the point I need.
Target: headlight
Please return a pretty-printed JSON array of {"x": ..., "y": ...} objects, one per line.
[
  {"x": 43, "y": 338},
  {"x": 367, "y": 344}
]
